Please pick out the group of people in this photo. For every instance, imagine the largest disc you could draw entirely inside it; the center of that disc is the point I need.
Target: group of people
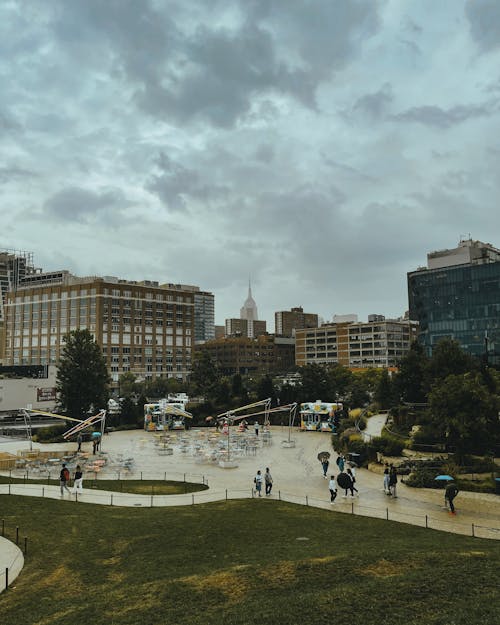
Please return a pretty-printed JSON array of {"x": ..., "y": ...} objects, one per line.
[
  {"x": 390, "y": 480},
  {"x": 347, "y": 477},
  {"x": 65, "y": 478},
  {"x": 267, "y": 478}
]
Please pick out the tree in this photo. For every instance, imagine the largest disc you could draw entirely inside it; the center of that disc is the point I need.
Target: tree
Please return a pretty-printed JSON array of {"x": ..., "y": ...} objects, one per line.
[
  {"x": 466, "y": 413},
  {"x": 128, "y": 384},
  {"x": 265, "y": 389},
  {"x": 205, "y": 375},
  {"x": 82, "y": 376},
  {"x": 411, "y": 382},
  {"x": 316, "y": 382},
  {"x": 448, "y": 358},
  {"x": 384, "y": 393}
]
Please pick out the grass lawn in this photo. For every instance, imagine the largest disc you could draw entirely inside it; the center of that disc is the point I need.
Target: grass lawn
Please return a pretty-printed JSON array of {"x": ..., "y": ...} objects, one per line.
[
  {"x": 136, "y": 487},
  {"x": 241, "y": 562}
]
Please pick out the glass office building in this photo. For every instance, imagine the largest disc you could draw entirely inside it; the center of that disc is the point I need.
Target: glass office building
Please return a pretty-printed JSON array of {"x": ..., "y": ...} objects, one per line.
[{"x": 458, "y": 296}]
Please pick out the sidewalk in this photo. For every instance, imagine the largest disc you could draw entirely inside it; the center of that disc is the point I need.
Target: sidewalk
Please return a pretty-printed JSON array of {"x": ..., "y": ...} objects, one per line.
[{"x": 11, "y": 558}]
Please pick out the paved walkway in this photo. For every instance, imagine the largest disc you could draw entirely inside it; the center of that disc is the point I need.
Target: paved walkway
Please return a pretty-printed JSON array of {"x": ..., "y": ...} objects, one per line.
[
  {"x": 11, "y": 558},
  {"x": 297, "y": 478}
]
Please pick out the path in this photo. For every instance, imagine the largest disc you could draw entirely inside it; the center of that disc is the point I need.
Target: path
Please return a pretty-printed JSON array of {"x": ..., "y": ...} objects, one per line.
[
  {"x": 297, "y": 478},
  {"x": 374, "y": 426}
]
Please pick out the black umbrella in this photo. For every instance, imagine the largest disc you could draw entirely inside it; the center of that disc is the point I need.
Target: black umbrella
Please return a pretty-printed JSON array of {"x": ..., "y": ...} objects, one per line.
[
  {"x": 344, "y": 481},
  {"x": 323, "y": 455}
]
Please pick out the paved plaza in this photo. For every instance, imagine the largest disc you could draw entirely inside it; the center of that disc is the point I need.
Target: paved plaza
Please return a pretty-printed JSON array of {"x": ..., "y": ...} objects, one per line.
[{"x": 195, "y": 456}]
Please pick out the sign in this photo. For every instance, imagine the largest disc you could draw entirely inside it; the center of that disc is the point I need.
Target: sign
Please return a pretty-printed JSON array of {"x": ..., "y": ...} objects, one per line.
[{"x": 46, "y": 394}]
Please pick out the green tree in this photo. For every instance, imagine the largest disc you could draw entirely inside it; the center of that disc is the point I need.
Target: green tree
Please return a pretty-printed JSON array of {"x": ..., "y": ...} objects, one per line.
[
  {"x": 128, "y": 384},
  {"x": 384, "y": 393},
  {"x": 448, "y": 358},
  {"x": 82, "y": 377},
  {"x": 411, "y": 382},
  {"x": 316, "y": 383},
  {"x": 205, "y": 375},
  {"x": 465, "y": 413},
  {"x": 265, "y": 389}
]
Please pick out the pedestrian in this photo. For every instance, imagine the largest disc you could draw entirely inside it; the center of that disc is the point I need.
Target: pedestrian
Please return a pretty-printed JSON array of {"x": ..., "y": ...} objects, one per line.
[
  {"x": 352, "y": 474},
  {"x": 257, "y": 480},
  {"x": 78, "y": 480},
  {"x": 268, "y": 479},
  {"x": 332, "y": 487},
  {"x": 256, "y": 426},
  {"x": 451, "y": 491},
  {"x": 94, "y": 445},
  {"x": 325, "y": 464},
  {"x": 79, "y": 440},
  {"x": 64, "y": 478},
  {"x": 386, "y": 480},
  {"x": 393, "y": 481},
  {"x": 340, "y": 463}
]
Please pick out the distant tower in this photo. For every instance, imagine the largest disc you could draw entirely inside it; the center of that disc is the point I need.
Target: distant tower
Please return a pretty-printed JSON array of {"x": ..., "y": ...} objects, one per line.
[{"x": 249, "y": 309}]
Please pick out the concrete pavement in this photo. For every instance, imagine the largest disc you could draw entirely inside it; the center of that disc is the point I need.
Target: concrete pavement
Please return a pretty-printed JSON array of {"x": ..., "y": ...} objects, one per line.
[{"x": 296, "y": 472}]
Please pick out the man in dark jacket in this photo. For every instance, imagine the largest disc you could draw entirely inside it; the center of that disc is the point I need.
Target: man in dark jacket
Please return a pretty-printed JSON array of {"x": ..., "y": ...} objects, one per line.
[{"x": 450, "y": 493}]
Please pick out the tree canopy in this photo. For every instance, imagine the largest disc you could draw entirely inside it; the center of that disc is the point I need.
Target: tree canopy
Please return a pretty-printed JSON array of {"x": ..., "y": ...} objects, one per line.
[{"x": 82, "y": 377}]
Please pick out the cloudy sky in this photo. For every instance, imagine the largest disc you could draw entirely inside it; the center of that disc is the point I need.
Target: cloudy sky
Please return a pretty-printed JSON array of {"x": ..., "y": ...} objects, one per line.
[{"x": 322, "y": 147}]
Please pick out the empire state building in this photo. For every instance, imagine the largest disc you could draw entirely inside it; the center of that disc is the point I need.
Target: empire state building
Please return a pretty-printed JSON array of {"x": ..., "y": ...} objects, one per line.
[{"x": 248, "y": 324}]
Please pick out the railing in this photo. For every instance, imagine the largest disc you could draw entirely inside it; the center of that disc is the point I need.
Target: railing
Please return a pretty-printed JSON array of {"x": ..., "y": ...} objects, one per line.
[
  {"x": 6, "y": 568},
  {"x": 205, "y": 496}
]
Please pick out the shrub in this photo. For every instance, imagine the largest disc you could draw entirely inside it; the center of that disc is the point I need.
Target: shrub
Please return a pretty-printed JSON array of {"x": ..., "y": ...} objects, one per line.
[
  {"x": 387, "y": 445},
  {"x": 52, "y": 434}
]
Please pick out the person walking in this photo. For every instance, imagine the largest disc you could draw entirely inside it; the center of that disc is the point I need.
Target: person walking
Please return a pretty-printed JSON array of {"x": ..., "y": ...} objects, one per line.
[
  {"x": 352, "y": 474},
  {"x": 256, "y": 426},
  {"x": 451, "y": 491},
  {"x": 64, "y": 478},
  {"x": 257, "y": 480},
  {"x": 340, "y": 463},
  {"x": 79, "y": 440},
  {"x": 386, "y": 480},
  {"x": 393, "y": 481},
  {"x": 325, "y": 464},
  {"x": 332, "y": 487},
  {"x": 78, "y": 480},
  {"x": 268, "y": 479}
]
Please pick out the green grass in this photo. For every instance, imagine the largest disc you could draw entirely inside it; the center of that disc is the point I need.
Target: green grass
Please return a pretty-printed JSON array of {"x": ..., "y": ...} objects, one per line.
[
  {"x": 240, "y": 562},
  {"x": 136, "y": 487}
]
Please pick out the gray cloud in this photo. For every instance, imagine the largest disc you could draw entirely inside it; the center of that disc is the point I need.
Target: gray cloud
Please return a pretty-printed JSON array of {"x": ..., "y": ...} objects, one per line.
[
  {"x": 79, "y": 205},
  {"x": 431, "y": 115},
  {"x": 375, "y": 104},
  {"x": 484, "y": 22}
]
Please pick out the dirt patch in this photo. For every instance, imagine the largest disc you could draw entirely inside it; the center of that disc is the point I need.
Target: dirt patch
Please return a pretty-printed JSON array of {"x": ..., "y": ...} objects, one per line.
[
  {"x": 472, "y": 554},
  {"x": 231, "y": 583},
  {"x": 384, "y": 568}
]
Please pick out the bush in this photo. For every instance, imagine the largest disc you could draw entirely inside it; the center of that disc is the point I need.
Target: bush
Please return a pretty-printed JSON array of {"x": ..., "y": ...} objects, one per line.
[
  {"x": 387, "y": 445},
  {"x": 52, "y": 434},
  {"x": 423, "y": 478}
]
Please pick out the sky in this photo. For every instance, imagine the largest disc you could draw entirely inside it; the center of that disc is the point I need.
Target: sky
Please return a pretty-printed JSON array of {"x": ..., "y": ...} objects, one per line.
[{"x": 320, "y": 148}]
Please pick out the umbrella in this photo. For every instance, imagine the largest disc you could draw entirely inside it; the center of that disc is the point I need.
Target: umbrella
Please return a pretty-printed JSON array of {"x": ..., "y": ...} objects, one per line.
[
  {"x": 323, "y": 455},
  {"x": 209, "y": 419},
  {"x": 444, "y": 478},
  {"x": 344, "y": 481},
  {"x": 96, "y": 434}
]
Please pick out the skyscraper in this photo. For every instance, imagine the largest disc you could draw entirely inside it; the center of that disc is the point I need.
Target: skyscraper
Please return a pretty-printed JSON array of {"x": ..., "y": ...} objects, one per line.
[
  {"x": 249, "y": 309},
  {"x": 458, "y": 296}
]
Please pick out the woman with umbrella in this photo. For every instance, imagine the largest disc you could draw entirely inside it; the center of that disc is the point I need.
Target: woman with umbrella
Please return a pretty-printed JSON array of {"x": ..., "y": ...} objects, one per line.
[{"x": 323, "y": 457}]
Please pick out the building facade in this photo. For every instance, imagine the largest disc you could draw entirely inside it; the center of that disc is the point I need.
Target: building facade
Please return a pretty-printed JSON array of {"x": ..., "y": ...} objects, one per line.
[
  {"x": 264, "y": 354},
  {"x": 248, "y": 328},
  {"x": 458, "y": 296},
  {"x": 142, "y": 327},
  {"x": 355, "y": 345},
  {"x": 287, "y": 321}
]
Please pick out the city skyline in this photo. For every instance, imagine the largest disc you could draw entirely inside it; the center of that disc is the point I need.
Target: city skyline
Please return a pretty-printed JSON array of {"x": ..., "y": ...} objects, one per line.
[{"x": 324, "y": 149}]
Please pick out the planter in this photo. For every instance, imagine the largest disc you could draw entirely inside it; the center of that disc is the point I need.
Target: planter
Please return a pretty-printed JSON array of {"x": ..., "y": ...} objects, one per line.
[
  {"x": 288, "y": 443},
  {"x": 228, "y": 464}
]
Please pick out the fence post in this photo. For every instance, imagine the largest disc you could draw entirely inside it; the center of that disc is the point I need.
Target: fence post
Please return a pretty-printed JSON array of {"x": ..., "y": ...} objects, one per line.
[
  {"x": 7, "y": 578},
  {"x": 352, "y": 507},
  {"x": 25, "y": 545},
  {"x": 473, "y": 535},
  {"x": 307, "y": 500},
  {"x": 279, "y": 495},
  {"x": 252, "y": 494},
  {"x": 151, "y": 500},
  {"x": 165, "y": 477},
  {"x": 387, "y": 514},
  {"x": 184, "y": 477},
  {"x": 426, "y": 522},
  {"x": 111, "y": 499},
  {"x": 9, "y": 489},
  {"x": 192, "y": 497},
  {"x": 226, "y": 494},
  {"x": 17, "y": 536},
  {"x": 3, "y": 527}
]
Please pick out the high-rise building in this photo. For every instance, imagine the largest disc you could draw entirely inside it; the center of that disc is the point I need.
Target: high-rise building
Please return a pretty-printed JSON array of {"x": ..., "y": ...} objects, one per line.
[
  {"x": 458, "y": 296},
  {"x": 248, "y": 324},
  {"x": 287, "y": 321},
  {"x": 142, "y": 327},
  {"x": 204, "y": 311},
  {"x": 356, "y": 345},
  {"x": 14, "y": 266}
]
